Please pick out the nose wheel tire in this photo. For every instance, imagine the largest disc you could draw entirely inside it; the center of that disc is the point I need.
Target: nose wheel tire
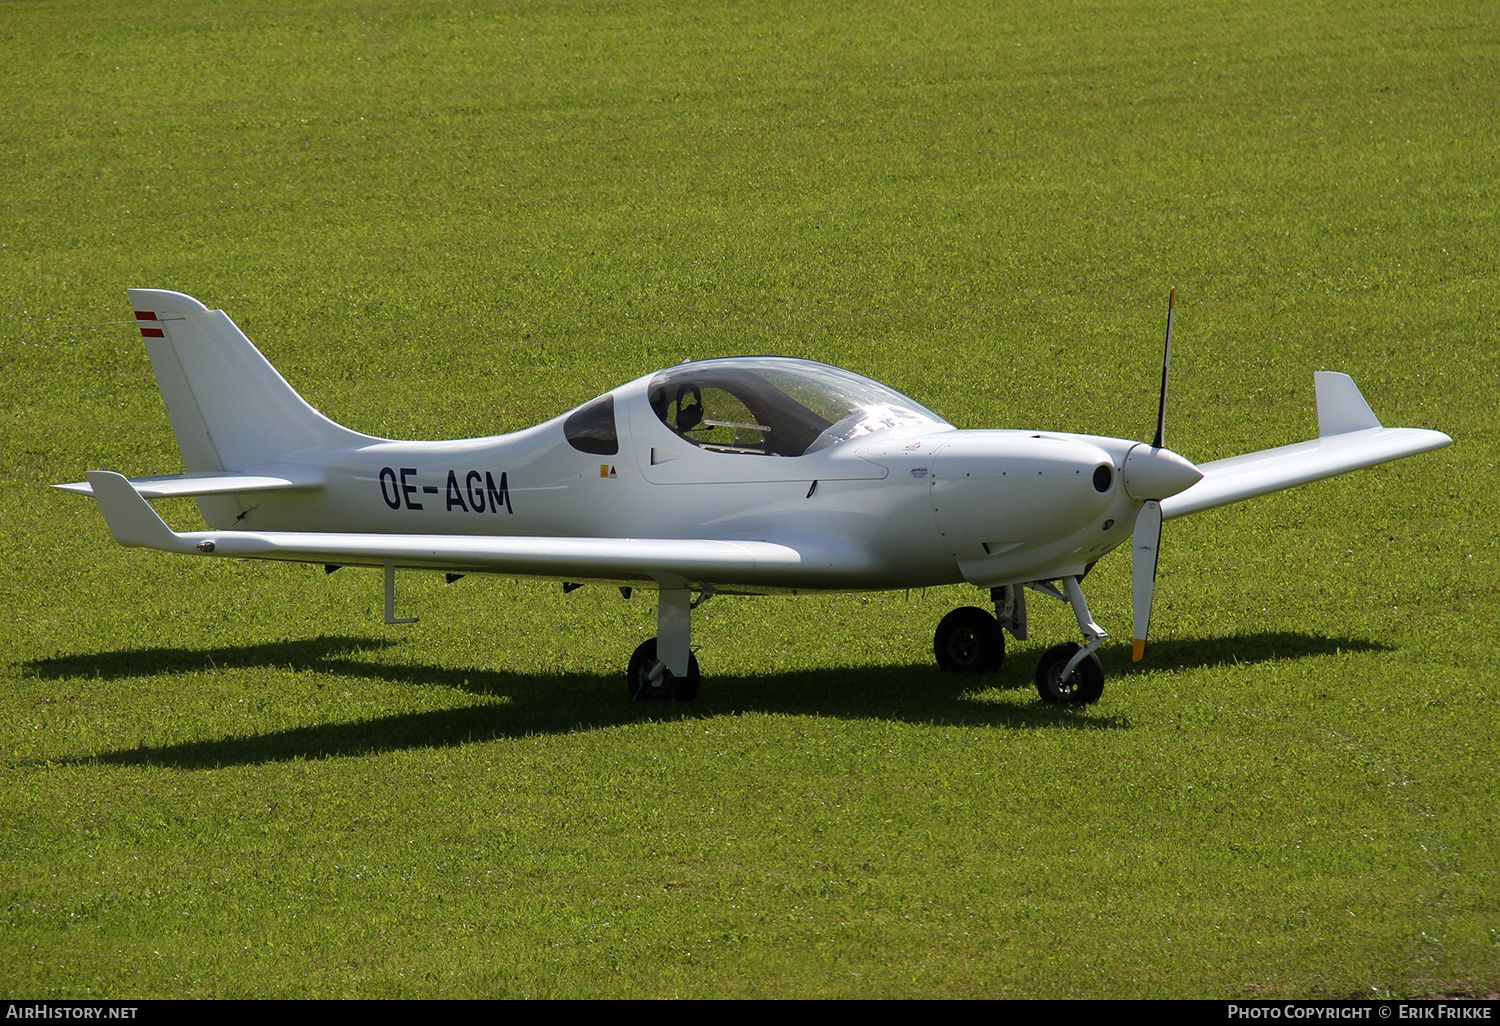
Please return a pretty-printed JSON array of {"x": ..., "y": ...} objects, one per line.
[
  {"x": 1081, "y": 687},
  {"x": 643, "y": 688},
  {"x": 969, "y": 640}
]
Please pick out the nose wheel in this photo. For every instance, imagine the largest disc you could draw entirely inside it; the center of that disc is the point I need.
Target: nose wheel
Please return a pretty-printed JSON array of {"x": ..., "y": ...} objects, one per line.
[{"x": 1056, "y": 684}]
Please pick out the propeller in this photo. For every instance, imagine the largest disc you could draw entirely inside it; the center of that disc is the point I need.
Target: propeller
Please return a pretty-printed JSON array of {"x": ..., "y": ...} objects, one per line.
[
  {"x": 1145, "y": 550},
  {"x": 1152, "y": 476},
  {"x": 1160, "y": 441}
]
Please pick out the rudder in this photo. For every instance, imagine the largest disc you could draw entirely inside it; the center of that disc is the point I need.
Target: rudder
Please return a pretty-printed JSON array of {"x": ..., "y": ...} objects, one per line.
[{"x": 230, "y": 409}]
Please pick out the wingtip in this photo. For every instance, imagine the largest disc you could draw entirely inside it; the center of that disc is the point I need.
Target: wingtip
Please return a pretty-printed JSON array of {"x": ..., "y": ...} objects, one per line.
[{"x": 1342, "y": 408}]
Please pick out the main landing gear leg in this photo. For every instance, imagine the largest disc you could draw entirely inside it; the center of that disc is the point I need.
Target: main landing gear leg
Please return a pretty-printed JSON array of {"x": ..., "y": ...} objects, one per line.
[
  {"x": 665, "y": 667},
  {"x": 1071, "y": 672},
  {"x": 1010, "y": 608}
]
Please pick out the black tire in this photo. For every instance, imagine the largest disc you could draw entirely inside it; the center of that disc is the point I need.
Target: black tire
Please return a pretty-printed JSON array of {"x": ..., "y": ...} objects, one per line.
[
  {"x": 1082, "y": 687},
  {"x": 643, "y": 689},
  {"x": 969, "y": 640}
]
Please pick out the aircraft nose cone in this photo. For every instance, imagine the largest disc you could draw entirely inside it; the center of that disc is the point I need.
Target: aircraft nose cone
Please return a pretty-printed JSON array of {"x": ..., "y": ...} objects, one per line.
[{"x": 1157, "y": 473}]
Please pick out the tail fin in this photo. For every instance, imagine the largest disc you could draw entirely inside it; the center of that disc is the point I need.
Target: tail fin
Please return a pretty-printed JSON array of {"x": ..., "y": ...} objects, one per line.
[{"x": 230, "y": 410}]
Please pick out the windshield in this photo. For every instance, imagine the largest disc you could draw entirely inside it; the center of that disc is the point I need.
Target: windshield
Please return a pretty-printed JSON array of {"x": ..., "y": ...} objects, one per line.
[{"x": 777, "y": 406}]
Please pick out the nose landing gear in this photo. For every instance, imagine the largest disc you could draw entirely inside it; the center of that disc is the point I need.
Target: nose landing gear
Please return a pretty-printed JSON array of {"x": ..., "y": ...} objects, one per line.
[{"x": 1056, "y": 683}]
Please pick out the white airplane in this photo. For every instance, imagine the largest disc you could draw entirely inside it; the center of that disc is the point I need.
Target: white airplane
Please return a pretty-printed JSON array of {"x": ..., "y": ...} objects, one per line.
[{"x": 745, "y": 475}]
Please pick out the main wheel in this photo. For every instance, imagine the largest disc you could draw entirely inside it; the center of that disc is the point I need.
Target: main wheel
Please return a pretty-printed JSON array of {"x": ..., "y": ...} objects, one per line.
[
  {"x": 969, "y": 640},
  {"x": 1083, "y": 686},
  {"x": 643, "y": 688}
]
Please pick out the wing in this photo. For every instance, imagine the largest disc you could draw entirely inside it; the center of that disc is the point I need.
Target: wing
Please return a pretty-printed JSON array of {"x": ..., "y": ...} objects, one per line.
[
  {"x": 133, "y": 522},
  {"x": 1349, "y": 437}
]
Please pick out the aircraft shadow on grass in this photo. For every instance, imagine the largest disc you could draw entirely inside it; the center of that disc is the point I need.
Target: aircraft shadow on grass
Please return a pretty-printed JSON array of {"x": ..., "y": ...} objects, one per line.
[
  {"x": 303, "y": 654},
  {"x": 1246, "y": 648},
  {"x": 565, "y": 703}
]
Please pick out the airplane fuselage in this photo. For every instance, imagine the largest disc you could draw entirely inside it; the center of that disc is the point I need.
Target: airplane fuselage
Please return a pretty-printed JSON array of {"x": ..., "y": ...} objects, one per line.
[{"x": 911, "y": 508}]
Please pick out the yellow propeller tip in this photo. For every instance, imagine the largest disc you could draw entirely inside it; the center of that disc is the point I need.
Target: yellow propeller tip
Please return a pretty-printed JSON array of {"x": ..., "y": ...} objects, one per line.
[{"x": 1137, "y": 649}]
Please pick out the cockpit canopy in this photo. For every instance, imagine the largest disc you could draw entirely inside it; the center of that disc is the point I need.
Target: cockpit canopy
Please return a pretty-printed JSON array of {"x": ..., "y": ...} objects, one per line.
[{"x": 777, "y": 406}]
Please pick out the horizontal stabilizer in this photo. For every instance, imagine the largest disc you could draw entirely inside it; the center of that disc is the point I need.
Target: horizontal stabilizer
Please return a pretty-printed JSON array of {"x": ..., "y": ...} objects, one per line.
[{"x": 173, "y": 486}]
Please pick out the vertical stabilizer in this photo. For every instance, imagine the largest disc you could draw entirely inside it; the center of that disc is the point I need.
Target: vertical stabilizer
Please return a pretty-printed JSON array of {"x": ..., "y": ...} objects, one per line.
[{"x": 229, "y": 407}]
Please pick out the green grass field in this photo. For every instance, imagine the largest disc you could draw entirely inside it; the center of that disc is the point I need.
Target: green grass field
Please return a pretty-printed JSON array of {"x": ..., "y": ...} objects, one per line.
[{"x": 458, "y": 218}]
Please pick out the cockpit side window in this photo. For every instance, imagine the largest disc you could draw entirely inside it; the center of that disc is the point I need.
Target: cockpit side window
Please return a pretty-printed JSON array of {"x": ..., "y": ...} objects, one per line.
[
  {"x": 591, "y": 428},
  {"x": 776, "y": 406},
  {"x": 733, "y": 410}
]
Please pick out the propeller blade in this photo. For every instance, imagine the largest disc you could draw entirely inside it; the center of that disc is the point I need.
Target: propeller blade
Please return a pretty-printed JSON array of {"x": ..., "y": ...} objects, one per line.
[
  {"x": 1145, "y": 549},
  {"x": 1166, "y": 365}
]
